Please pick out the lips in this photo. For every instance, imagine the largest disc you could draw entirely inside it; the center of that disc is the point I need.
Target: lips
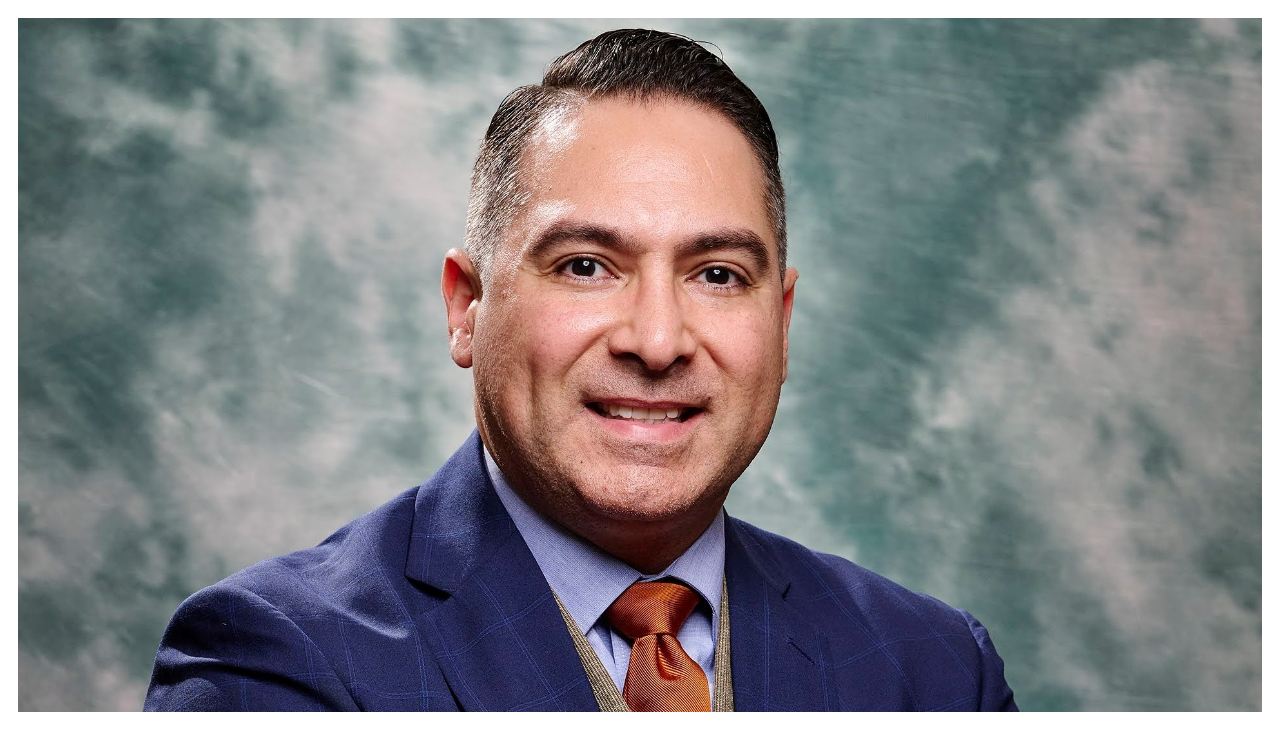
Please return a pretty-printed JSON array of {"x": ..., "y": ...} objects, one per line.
[{"x": 644, "y": 413}]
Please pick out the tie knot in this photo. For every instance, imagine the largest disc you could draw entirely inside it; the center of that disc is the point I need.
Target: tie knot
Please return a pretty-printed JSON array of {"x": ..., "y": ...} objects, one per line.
[{"x": 652, "y": 608}]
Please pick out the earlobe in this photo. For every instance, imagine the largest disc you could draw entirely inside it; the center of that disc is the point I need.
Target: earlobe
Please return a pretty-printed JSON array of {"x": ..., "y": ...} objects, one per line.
[{"x": 460, "y": 287}]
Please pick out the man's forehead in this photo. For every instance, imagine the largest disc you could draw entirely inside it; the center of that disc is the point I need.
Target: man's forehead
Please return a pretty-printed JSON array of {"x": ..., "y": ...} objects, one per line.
[{"x": 632, "y": 158}]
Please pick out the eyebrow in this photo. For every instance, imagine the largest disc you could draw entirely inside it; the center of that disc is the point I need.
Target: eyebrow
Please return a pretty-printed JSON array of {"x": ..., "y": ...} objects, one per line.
[
  {"x": 727, "y": 239},
  {"x": 562, "y": 231},
  {"x": 730, "y": 239}
]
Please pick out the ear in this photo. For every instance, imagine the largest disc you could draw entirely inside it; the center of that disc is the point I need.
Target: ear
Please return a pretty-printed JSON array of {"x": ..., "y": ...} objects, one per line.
[
  {"x": 460, "y": 287},
  {"x": 789, "y": 278}
]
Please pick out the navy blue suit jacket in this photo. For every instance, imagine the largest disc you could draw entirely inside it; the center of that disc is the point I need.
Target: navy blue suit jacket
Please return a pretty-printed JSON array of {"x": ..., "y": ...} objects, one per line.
[{"x": 434, "y": 602}]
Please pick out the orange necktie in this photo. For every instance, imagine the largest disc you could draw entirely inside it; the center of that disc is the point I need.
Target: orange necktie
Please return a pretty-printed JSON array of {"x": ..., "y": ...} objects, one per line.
[{"x": 661, "y": 676}]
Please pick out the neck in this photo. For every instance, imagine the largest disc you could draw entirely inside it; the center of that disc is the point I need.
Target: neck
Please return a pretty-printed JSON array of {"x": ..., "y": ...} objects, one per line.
[{"x": 648, "y": 547}]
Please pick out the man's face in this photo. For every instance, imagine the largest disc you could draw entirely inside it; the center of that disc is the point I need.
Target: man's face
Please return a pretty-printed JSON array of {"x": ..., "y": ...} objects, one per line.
[{"x": 630, "y": 341}]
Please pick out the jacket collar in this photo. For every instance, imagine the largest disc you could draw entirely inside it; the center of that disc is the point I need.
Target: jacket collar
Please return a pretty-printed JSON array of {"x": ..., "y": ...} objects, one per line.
[
  {"x": 498, "y": 638},
  {"x": 458, "y": 521},
  {"x": 781, "y": 662}
]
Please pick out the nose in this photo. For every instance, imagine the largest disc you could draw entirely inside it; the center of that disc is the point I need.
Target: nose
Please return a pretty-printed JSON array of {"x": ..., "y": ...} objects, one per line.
[{"x": 653, "y": 326}]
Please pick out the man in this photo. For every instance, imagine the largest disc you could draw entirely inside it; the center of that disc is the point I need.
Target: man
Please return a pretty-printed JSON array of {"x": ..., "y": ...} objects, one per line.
[{"x": 623, "y": 302}]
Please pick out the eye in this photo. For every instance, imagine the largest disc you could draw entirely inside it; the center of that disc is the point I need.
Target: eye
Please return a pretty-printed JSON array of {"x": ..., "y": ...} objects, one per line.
[
  {"x": 720, "y": 276},
  {"x": 584, "y": 268}
]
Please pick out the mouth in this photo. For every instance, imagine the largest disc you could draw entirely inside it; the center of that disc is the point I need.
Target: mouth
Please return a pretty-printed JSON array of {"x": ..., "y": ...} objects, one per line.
[{"x": 648, "y": 414}]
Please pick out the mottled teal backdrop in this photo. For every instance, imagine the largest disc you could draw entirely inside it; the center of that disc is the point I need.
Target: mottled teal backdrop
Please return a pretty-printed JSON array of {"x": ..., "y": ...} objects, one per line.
[{"x": 1025, "y": 376}]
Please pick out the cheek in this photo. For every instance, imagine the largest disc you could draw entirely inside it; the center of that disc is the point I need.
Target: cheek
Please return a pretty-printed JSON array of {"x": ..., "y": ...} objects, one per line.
[
  {"x": 747, "y": 349},
  {"x": 552, "y": 336}
]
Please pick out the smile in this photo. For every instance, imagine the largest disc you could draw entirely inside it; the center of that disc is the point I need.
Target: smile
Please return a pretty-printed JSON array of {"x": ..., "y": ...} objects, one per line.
[{"x": 651, "y": 415}]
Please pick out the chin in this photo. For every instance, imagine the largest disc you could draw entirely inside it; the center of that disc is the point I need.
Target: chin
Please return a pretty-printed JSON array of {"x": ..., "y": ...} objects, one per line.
[{"x": 648, "y": 494}]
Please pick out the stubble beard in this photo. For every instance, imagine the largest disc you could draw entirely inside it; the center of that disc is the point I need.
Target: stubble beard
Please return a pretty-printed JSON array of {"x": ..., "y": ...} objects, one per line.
[{"x": 600, "y": 501}]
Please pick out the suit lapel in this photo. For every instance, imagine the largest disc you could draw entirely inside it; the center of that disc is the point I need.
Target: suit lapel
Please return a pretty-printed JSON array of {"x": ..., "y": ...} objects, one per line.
[
  {"x": 498, "y": 638},
  {"x": 781, "y": 662}
]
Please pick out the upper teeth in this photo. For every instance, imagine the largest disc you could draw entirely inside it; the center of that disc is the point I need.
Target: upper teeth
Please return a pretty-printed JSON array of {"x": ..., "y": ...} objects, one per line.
[{"x": 652, "y": 415}]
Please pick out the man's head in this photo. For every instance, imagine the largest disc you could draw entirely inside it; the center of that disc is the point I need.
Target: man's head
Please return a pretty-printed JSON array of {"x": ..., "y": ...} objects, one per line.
[{"x": 628, "y": 324}]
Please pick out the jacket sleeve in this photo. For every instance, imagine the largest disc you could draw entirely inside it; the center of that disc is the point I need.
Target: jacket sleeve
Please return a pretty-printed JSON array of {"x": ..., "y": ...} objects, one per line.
[
  {"x": 227, "y": 648},
  {"x": 994, "y": 692}
]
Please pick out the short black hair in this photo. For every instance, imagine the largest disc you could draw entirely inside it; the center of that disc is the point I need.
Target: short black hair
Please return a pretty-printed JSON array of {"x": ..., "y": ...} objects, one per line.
[{"x": 632, "y": 63}]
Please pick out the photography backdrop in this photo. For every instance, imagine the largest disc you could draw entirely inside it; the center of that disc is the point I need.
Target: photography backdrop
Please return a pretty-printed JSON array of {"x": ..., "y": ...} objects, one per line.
[{"x": 1025, "y": 356}]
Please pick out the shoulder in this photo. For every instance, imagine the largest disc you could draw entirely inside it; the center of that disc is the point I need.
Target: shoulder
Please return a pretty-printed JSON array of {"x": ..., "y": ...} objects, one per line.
[
  {"x": 272, "y": 634},
  {"x": 877, "y": 627}
]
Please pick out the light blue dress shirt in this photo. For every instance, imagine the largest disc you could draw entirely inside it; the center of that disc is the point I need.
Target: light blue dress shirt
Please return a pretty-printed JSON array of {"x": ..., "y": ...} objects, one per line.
[{"x": 588, "y": 580}]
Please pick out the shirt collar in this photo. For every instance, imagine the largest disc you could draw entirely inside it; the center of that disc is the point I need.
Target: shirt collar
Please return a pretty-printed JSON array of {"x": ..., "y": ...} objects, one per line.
[{"x": 586, "y": 578}]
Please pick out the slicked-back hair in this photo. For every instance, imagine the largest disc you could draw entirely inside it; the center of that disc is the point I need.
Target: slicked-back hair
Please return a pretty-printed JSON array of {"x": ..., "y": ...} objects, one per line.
[{"x": 634, "y": 64}]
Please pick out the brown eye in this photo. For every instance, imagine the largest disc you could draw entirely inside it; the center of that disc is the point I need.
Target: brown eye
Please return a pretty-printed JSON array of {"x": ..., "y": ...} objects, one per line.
[
  {"x": 586, "y": 268},
  {"x": 720, "y": 276}
]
